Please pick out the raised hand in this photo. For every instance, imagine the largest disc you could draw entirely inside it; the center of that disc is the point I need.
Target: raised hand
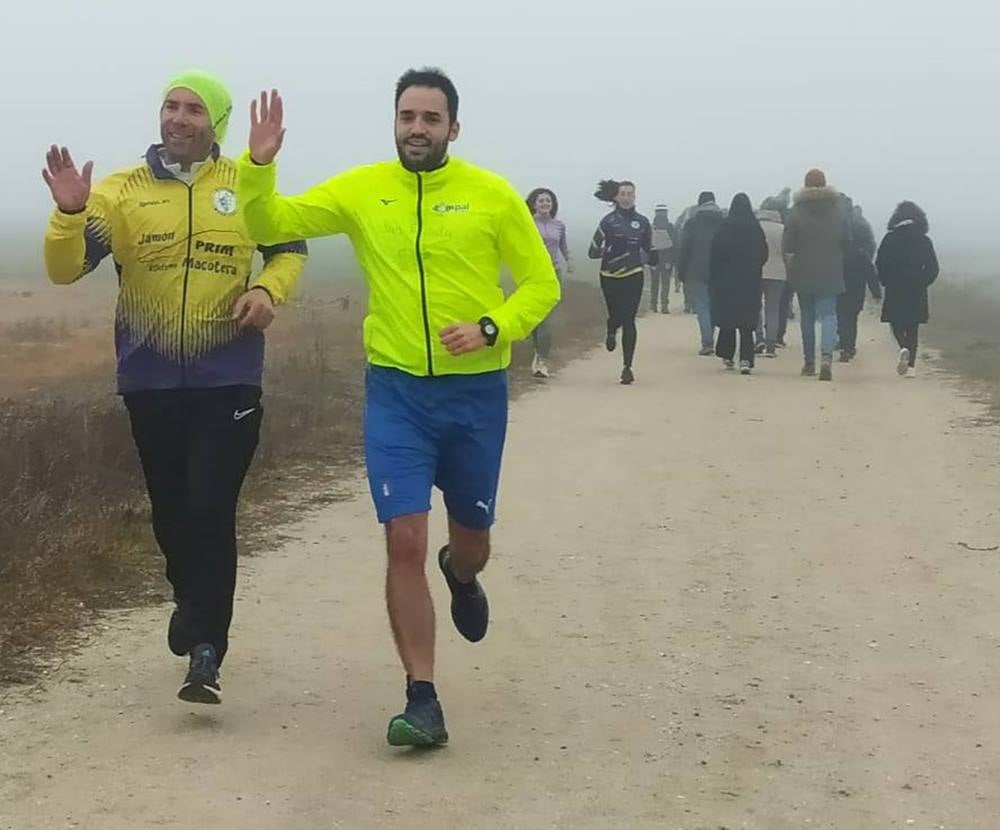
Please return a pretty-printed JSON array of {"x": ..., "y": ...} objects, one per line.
[
  {"x": 266, "y": 127},
  {"x": 70, "y": 187}
]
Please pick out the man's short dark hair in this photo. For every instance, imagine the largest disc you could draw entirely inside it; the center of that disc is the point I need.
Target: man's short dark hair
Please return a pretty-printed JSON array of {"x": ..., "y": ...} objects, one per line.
[{"x": 433, "y": 78}]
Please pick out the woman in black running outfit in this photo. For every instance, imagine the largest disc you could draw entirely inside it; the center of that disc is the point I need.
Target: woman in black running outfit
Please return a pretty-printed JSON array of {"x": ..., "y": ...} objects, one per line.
[{"x": 624, "y": 244}]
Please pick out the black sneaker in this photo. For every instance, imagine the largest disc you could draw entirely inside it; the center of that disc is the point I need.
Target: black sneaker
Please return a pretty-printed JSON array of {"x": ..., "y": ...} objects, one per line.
[
  {"x": 181, "y": 636},
  {"x": 627, "y": 376},
  {"x": 808, "y": 370},
  {"x": 422, "y": 725},
  {"x": 611, "y": 342},
  {"x": 202, "y": 682},
  {"x": 470, "y": 610}
]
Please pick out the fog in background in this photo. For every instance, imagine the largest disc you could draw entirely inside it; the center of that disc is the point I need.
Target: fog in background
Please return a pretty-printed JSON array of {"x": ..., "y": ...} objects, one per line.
[{"x": 892, "y": 99}]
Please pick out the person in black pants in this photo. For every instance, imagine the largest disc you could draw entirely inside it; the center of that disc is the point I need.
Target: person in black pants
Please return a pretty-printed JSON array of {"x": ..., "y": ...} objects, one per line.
[
  {"x": 189, "y": 336},
  {"x": 195, "y": 447},
  {"x": 907, "y": 266},
  {"x": 735, "y": 282},
  {"x": 859, "y": 278},
  {"x": 624, "y": 244}
]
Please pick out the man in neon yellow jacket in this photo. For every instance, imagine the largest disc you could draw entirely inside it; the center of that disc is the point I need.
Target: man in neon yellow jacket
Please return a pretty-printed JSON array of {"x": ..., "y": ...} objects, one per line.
[
  {"x": 431, "y": 233},
  {"x": 189, "y": 339}
]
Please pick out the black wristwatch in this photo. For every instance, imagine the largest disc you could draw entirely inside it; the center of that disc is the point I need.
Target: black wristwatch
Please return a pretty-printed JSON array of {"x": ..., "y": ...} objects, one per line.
[{"x": 489, "y": 330}]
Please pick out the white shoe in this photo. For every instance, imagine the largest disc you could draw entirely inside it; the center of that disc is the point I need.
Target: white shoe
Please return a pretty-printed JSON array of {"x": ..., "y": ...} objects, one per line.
[
  {"x": 745, "y": 367},
  {"x": 904, "y": 362},
  {"x": 910, "y": 372},
  {"x": 540, "y": 368}
]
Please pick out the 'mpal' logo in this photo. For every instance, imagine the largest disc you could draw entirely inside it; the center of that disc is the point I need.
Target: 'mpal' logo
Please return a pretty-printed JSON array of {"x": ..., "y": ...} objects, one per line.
[{"x": 444, "y": 207}]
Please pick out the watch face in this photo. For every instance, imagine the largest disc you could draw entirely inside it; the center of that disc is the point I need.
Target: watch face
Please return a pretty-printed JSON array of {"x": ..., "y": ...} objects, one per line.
[{"x": 491, "y": 329}]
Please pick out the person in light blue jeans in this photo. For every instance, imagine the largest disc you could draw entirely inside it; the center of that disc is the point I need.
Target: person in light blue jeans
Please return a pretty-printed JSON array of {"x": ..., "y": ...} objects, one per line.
[
  {"x": 693, "y": 264},
  {"x": 822, "y": 309},
  {"x": 815, "y": 241}
]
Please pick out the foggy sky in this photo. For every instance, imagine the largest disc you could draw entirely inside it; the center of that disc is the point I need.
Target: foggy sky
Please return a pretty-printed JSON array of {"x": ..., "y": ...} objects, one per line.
[{"x": 892, "y": 99}]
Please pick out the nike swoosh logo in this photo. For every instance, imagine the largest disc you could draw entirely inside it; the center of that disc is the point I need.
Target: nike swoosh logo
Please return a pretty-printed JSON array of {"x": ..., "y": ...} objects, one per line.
[
  {"x": 239, "y": 415},
  {"x": 388, "y": 202}
]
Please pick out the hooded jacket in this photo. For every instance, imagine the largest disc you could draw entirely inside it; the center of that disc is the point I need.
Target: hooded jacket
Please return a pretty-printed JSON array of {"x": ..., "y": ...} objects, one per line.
[
  {"x": 816, "y": 239},
  {"x": 664, "y": 233},
  {"x": 693, "y": 257},
  {"x": 907, "y": 265},
  {"x": 770, "y": 222},
  {"x": 739, "y": 251}
]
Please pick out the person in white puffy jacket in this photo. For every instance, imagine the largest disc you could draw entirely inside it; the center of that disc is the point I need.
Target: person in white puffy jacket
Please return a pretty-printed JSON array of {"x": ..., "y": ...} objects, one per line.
[{"x": 775, "y": 280}]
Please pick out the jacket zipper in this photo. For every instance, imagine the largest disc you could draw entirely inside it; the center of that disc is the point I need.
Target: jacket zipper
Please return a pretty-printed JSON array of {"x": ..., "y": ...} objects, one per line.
[
  {"x": 423, "y": 276},
  {"x": 187, "y": 272}
]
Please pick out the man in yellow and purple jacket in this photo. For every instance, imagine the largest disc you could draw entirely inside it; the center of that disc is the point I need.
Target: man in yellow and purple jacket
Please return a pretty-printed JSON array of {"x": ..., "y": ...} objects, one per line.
[
  {"x": 431, "y": 233},
  {"x": 189, "y": 336}
]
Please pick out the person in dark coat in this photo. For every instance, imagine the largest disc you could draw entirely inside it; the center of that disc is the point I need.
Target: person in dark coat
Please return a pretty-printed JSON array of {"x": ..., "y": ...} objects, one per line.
[
  {"x": 739, "y": 251},
  {"x": 817, "y": 236},
  {"x": 693, "y": 263},
  {"x": 907, "y": 266},
  {"x": 859, "y": 277}
]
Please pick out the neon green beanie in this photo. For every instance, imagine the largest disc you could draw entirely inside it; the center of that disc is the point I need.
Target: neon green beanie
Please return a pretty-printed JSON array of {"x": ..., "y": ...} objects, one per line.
[{"x": 213, "y": 94}]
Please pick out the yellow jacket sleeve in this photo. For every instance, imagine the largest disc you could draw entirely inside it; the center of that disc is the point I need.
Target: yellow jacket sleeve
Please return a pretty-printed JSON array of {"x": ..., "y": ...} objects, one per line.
[
  {"x": 282, "y": 268},
  {"x": 75, "y": 243},
  {"x": 524, "y": 253},
  {"x": 272, "y": 219}
]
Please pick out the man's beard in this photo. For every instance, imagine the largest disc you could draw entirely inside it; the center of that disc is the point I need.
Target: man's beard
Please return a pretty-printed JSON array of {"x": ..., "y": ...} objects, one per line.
[{"x": 436, "y": 155}]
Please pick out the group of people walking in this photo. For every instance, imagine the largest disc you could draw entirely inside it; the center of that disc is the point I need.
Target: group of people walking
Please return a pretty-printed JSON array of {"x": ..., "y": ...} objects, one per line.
[{"x": 742, "y": 268}]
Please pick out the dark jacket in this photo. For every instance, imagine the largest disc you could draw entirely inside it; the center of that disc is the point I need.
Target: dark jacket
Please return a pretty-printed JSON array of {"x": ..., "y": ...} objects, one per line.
[
  {"x": 696, "y": 243},
  {"x": 817, "y": 238},
  {"x": 624, "y": 244},
  {"x": 738, "y": 253},
  {"x": 859, "y": 270},
  {"x": 906, "y": 265}
]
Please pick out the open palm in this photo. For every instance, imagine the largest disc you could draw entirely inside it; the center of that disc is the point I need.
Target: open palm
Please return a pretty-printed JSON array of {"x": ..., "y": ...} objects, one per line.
[
  {"x": 70, "y": 187},
  {"x": 267, "y": 130}
]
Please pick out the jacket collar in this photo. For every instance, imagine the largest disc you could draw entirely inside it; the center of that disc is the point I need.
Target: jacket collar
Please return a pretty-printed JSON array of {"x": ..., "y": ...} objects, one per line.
[
  {"x": 437, "y": 176},
  {"x": 159, "y": 170},
  {"x": 816, "y": 194}
]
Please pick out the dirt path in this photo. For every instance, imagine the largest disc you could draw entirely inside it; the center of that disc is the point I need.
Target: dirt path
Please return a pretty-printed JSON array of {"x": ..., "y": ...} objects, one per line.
[{"x": 719, "y": 602}]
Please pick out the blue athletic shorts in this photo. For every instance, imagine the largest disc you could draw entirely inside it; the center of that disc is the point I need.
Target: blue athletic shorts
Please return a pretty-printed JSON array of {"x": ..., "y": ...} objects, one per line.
[{"x": 446, "y": 432}]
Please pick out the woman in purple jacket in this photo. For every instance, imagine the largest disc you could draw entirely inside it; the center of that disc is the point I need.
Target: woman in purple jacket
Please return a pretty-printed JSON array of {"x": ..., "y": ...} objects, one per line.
[{"x": 544, "y": 206}]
